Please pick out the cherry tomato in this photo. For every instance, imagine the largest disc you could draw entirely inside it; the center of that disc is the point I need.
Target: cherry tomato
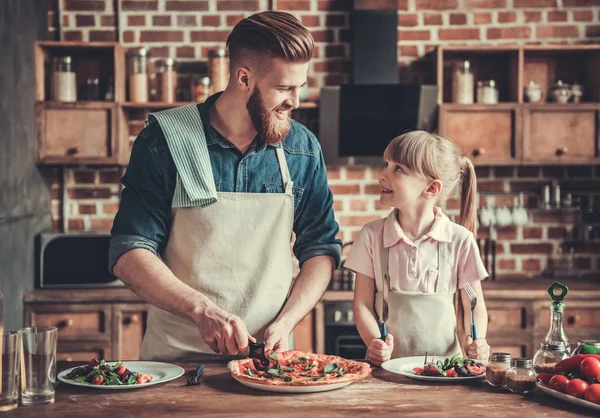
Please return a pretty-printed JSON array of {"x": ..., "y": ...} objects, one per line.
[
  {"x": 429, "y": 370},
  {"x": 559, "y": 382},
  {"x": 476, "y": 370},
  {"x": 121, "y": 370},
  {"x": 144, "y": 378},
  {"x": 592, "y": 393},
  {"x": 450, "y": 372},
  {"x": 544, "y": 378},
  {"x": 418, "y": 370},
  {"x": 98, "y": 380},
  {"x": 590, "y": 367},
  {"x": 576, "y": 387}
]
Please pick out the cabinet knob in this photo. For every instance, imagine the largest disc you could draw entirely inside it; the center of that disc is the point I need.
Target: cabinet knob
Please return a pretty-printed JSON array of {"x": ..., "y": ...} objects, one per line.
[
  {"x": 68, "y": 358},
  {"x": 73, "y": 151},
  {"x": 573, "y": 319},
  {"x": 561, "y": 151},
  {"x": 491, "y": 318},
  {"x": 478, "y": 152},
  {"x": 133, "y": 319},
  {"x": 65, "y": 323}
]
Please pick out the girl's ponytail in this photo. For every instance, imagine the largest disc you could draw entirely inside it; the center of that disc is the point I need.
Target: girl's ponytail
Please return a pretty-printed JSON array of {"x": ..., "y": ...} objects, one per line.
[{"x": 468, "y": 211}]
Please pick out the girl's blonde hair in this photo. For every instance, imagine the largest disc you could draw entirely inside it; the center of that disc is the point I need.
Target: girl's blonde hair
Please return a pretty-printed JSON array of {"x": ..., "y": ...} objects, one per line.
[{"x": 437, "y": 158}]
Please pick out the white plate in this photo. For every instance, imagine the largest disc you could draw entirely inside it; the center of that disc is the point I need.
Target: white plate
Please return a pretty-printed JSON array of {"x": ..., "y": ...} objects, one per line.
[
  {"x": 160, "y": 372},
  {"x": 292, "y": 389},
  {"x": 568, "y": 398},
  {"x": 404, "y": 366}
]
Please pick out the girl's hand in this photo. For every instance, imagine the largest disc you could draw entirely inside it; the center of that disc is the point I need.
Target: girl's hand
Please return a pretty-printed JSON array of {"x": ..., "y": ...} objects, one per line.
[
  {"x": 380, "y": 351},
  {"x": 478, "y": 349}
]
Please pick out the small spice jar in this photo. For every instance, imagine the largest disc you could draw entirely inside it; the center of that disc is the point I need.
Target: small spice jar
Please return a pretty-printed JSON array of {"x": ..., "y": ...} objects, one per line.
[
  {"x": 199, "y": 89},
  {"x": 548, "y": 356},
  {"x": 521, "y": 377},
  {"x": 487, "y": 93},
  {"x": 64, "y": 84},
  {"x": 166, "y": 80},
  {"x": 219, "y": 69},
  {"x": 496, "y": 369},
  {"x": 462, "y": 83},
  {"x": 137, "y": 61}
]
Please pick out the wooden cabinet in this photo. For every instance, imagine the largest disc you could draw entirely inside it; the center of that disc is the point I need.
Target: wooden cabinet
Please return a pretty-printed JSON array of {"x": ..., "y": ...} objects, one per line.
[
  {"x": 128, "y": 330},
  {"x": 514, "y": 131}
]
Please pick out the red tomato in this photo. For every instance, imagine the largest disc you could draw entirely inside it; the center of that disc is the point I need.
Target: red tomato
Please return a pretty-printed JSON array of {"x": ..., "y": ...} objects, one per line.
[
  {"x": 576, "y": 387},
  {"x": 544, "y": 378},
  {"x": 590, "y": 367},
  {"x": 559, "y": 382},
  {"x": 97, "y": 380},
  {"x": 121, "y": 370},
  {"x": 476, "y": 370},
  {"x": 418, "y": 370},
  {"x": 592, "y": 394},
  {"x": 144, "y": 378},
  {"x": 450, "y": 372}
]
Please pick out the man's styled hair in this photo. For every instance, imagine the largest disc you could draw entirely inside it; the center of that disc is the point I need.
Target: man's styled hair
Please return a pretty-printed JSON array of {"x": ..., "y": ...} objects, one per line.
[{"x": 270, "y": 34}]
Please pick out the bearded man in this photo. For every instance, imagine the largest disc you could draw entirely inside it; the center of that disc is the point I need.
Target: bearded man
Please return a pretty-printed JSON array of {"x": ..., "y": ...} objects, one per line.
[{"x": 213, "y": 193}]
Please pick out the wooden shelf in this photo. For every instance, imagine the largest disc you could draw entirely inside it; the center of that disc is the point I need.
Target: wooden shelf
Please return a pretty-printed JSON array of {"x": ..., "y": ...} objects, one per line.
[
  {"x": 78, "y": 105},
  {"x": 165, "y": 105},
  {"x": 479, "y": 106}
]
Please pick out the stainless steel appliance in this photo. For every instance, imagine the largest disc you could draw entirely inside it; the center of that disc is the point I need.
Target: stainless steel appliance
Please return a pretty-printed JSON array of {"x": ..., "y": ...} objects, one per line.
[{"x": 341, "y": 336}]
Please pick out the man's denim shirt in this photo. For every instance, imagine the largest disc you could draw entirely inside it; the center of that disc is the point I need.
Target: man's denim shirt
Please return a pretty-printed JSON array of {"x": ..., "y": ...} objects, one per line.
[{"x": 144, "y": 216}]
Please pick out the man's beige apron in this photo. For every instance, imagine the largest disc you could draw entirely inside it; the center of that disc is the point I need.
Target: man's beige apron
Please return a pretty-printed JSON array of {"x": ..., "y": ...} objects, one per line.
[
  {"x": 237, "y": 253},
  {"x": 420, "y": 322}
]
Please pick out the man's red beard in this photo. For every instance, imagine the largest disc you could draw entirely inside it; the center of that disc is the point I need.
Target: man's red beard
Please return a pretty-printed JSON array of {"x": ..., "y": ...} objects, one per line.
[{"x": 269, "y": 128}]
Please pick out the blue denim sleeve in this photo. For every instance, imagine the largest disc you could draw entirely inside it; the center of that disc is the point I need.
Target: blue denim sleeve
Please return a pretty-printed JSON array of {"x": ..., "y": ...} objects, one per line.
[
  {"x": 144, "y": 216},
  {"x": 315, "y": 227}
]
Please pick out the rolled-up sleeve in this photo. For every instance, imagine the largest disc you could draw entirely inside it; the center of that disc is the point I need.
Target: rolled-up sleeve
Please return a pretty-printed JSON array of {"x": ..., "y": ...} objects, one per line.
[
  {"x": 315, "y": 227},
  {"x": 144, "y": 215}
]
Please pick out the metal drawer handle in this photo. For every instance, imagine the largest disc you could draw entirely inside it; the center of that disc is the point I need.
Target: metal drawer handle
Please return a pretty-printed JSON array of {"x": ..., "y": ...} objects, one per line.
[
  {"x": 478, "y": 152},
  {"x": 561, "y": 151},
  {"x": 73, "y": 151},
  {"x": 66, "y": 323},
  {"x": 133, "y": 319},
  {"x": 572, "y": 319}
]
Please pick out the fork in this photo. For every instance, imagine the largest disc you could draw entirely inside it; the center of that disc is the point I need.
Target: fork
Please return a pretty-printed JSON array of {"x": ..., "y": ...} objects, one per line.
[
  {"x": 195, "y": 379},
  {"x": 473, "y": 299}
]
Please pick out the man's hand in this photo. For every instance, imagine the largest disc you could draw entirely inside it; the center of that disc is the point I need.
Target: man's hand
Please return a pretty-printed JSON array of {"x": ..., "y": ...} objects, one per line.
[
  {"x": 222, "y": 332},
  {"x": 478, "y": 349},
  {"x": 277, "y": 337}
]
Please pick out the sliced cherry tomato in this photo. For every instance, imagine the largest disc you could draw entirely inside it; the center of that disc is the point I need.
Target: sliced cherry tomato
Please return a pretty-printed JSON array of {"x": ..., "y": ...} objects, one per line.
[
  {"x": 451, "y": 372},
  {"x": 98, "y": 380},
  {"x": 121, "y": 370},
  {"x": 590, "y": 367},
  {"x": 144, "y": 378},
  {"x": 475, "y": 370},
  {"x": 544, "y": 378},
  {"x": 576, "y": 387},
  {"x": 418, "y": 370},
  {"x": 559, "y": 382},
  {"x": 592, "y": 393}
]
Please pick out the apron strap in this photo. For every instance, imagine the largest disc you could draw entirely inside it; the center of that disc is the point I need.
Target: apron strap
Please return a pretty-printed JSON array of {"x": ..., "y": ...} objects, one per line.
[
  {"x": 183, "y": 129},
  {"x": 441, "y": 264},
  {"x": 285, "y": 172},
  {"x": 385, "y": 269}
]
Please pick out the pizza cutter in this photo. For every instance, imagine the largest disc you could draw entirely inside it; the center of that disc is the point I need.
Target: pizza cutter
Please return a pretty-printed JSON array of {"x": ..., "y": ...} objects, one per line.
[{"x": 257, "y": 350}]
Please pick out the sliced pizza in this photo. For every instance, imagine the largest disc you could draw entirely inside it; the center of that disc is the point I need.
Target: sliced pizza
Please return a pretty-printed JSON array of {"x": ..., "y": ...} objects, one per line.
[{"x": 297, "y": 368}]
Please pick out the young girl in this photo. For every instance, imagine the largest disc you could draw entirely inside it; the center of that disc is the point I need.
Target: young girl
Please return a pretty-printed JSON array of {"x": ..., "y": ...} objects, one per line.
[{"x": 424, "y": 256}]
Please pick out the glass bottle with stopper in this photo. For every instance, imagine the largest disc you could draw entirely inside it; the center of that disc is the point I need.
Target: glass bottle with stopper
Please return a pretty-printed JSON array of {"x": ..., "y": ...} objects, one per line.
[{"x": 556, "y": 345}]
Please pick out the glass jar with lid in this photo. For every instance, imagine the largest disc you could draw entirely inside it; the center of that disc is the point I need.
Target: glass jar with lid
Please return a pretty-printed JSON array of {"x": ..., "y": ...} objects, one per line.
[
  {"x": 520, "y": 377},
  {"x": 137, "y": 74},
  {"x": 487, "y": 93},
  {"x": 592, "y": 343},
  {"x": 495, "y": 371},
  {"x": 462, "y": 83},
  {"x": 166, "y": 80},
  {"x": 64, "y": 80},
  {"x": 549, "y": 355},
  {"x": 218, "y": 67},
  {"x": 199, "y": 88}
]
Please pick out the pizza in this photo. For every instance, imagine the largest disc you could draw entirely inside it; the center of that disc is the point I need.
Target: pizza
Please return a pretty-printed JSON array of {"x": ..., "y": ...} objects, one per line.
[{"x": 297, "y": 368}]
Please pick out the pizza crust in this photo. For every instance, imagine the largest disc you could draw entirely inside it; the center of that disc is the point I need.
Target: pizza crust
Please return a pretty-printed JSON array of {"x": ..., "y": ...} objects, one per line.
[{"x": 355, "y": 370}]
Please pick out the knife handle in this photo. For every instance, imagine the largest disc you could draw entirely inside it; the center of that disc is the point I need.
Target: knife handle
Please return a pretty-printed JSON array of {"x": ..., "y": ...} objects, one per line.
[{"x": 383, "y": 331}]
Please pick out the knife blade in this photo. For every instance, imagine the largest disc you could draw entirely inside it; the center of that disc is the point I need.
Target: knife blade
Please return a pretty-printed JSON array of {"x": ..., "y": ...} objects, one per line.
[{"x": 385, "y": 308}]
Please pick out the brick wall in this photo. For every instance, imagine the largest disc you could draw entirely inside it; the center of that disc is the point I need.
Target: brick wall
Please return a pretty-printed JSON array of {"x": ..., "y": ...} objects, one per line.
[{"x": 86, "y": 199}]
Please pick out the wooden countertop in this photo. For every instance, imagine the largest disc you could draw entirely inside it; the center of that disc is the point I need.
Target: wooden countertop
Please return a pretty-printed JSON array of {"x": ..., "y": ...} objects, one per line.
[
  {"x": 513, "y": 287},
  {"x": 219, "y": 394}
]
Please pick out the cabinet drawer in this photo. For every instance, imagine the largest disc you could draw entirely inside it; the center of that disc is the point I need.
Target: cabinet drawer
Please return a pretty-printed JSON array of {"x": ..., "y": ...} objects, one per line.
[
  {"x": 507, "y": 318},
  {"x": 83, "y": 352},
  {"x": 75, "y": 322},
  {"x": 129, "y": 328},
  {"x": 575, "y": 317}
]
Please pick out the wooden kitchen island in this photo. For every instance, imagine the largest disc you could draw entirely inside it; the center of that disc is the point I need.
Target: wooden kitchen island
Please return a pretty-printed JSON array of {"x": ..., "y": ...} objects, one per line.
[{"x": 219, "y": 394}]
